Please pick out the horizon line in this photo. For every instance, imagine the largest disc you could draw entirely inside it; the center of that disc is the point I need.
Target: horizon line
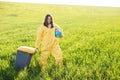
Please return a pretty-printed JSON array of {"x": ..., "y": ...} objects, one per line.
[{"x": 60, "y": 3}]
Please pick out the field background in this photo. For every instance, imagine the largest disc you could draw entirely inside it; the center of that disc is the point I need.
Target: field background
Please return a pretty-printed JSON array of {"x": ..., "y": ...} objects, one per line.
[{"x": 91, "y": 46}]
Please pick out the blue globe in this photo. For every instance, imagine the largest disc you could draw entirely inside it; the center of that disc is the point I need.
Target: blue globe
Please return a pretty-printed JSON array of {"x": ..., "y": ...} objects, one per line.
[{"x": 58, "y": 33}]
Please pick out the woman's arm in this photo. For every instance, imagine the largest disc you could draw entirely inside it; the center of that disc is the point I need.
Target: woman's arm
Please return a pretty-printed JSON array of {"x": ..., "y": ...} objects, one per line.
[{"x": 39, "y": 37}]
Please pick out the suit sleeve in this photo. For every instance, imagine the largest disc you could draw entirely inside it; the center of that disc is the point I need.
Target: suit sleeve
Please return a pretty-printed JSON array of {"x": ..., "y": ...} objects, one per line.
[{"x": 39, "y": 37}]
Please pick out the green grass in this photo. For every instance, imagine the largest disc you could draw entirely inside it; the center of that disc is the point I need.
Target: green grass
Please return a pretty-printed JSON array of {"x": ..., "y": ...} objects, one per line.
[{"x": 91, "y": 46}]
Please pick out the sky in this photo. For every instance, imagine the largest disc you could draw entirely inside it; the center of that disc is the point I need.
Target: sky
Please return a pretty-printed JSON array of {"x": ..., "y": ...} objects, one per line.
[{"x": 111, "y": 3}]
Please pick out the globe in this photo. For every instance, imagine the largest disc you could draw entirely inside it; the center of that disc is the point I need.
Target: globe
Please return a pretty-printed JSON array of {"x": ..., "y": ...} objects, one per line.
[{"x": 58, "y": 33}]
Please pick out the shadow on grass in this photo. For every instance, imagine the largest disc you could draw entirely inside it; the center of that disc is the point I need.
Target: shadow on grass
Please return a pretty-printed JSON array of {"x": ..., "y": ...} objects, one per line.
[
  {"x": 33, "y": 72},
  {"x": 8, "y": 73}
]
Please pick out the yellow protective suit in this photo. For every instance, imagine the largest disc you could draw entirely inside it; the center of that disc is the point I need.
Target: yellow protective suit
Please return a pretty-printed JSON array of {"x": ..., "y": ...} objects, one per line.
[{"x": 49, "y": 44}]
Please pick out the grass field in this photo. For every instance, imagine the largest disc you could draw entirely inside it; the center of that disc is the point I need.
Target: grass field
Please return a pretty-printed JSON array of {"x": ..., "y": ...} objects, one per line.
[{"x": 91, "y": 46}]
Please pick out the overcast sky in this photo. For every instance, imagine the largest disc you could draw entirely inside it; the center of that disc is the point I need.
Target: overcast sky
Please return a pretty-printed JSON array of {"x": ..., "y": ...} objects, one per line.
[{"x": 113, "y": 3}]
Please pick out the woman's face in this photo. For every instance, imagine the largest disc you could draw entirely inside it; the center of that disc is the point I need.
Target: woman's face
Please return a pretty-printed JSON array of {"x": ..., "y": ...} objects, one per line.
[{"x": 49, "y": 20}]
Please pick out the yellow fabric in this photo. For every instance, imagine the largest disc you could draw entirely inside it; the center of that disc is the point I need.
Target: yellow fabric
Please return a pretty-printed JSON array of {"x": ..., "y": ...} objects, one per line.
[
  {"x": 49, "y": 44},
  {"x": 46, "y": 37},
  {"x": 55, "y": 52},
  {"x": 26, "y": 49}
]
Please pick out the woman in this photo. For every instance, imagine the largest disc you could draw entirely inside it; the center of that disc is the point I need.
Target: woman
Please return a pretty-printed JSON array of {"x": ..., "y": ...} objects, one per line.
[{"x": 49, "y": 43}]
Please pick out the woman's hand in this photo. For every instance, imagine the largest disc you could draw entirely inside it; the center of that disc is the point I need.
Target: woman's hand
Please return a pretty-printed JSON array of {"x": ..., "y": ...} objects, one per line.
[
  {"x": 60, "y": 36},
  {"x": 36, "y": 50}
]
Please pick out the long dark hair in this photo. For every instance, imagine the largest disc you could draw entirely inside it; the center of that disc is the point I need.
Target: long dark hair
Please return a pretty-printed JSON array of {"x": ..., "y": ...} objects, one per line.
[{"x": 45, "y": 21}]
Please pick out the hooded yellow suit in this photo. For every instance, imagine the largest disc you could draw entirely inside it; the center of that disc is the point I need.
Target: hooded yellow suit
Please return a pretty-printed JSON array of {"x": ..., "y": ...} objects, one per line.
[{"x": 49, "y": 44}]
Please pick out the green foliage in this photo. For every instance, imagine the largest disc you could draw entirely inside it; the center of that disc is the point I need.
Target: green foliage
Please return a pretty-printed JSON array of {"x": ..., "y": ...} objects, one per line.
[{"x": 91, "y": 46}]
